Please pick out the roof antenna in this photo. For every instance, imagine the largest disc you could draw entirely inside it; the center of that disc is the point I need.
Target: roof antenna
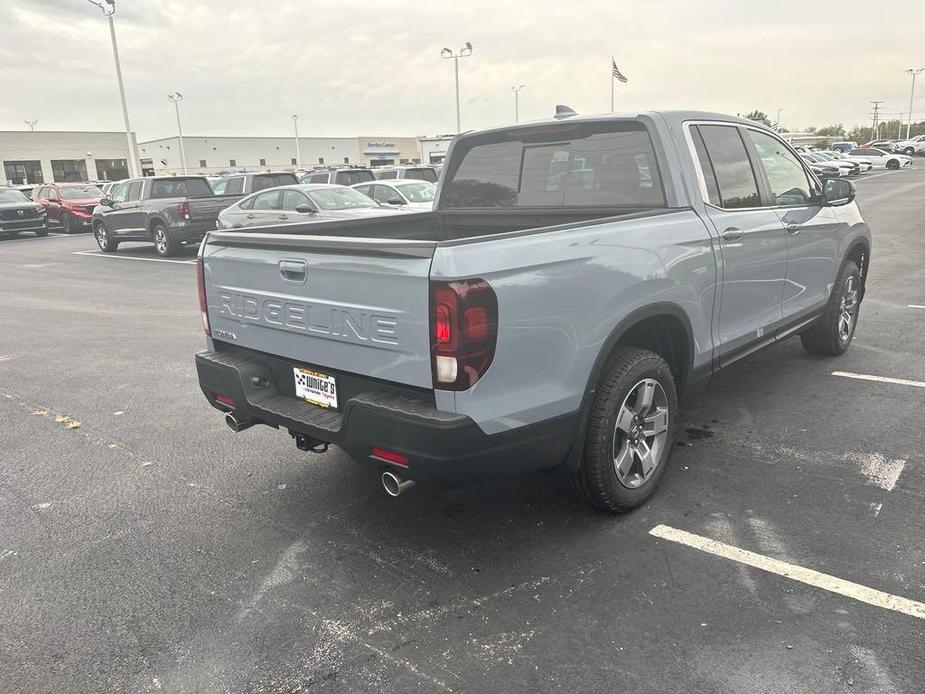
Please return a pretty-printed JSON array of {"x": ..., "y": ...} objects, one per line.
[{"x": 563, "y": 111}]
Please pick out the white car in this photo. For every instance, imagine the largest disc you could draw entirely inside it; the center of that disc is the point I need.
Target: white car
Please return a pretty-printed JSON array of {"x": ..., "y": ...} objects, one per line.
[
  {"x": 402, "y": 192},
  {"x": 845, "y": 168},
  {"x": 915, "y": 145},
  {"x": 881, "y": 159},
  {"x": 864, "y": 165}
]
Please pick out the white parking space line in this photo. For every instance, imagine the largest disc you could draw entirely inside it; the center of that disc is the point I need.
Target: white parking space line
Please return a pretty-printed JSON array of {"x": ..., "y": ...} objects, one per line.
[
  {"x": 99, "y": 254},
  {"x": 867, "y": 177},
  {"x": 915, "y": 306},
  {"x": 840, "y": 586},
  {"x": 880, "y": 379}
]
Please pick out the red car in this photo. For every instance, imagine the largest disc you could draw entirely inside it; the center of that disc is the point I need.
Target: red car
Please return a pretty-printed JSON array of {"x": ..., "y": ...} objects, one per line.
[{"x": 69, "y": 205}]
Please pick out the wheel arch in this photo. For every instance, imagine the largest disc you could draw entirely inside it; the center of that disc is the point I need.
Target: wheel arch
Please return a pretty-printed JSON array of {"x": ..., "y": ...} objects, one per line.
[{"x": 859, "y": 252}]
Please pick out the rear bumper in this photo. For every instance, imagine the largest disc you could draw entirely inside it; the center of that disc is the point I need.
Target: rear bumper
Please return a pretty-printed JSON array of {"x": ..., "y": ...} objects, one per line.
[
  {"x": 441, "y": 447},
  {"x": 191, "y": 231}
]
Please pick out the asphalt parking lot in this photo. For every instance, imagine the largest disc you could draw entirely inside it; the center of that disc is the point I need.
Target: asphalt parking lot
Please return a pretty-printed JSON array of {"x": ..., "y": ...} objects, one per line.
[{"x": 144, "y": 547}]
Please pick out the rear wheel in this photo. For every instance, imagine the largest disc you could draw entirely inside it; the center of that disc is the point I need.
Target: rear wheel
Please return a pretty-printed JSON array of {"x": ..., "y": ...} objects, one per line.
[
  {"x": 630, "y": 432},
  {"x": 832, "y": 334},
  {"x": 164, "y": 244},
  {"x": 909, "y": 151},
  {"x": 103, "y": 238}
]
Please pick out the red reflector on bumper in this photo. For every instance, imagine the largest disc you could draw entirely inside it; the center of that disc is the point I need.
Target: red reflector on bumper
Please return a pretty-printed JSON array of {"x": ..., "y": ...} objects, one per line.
[
  {"x": 390, "y": 456},
  {"x": 225, "y": 400}
]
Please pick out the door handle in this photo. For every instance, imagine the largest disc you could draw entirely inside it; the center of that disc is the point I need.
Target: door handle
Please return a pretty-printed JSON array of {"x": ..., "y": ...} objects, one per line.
[
  {"x": 293, "y": 270},
  {"x": 732, "y": 234},
  {"x": 793, "y": 229},
  {"x": 283, "y": 216},
  {"x": 251, "y": 216}
]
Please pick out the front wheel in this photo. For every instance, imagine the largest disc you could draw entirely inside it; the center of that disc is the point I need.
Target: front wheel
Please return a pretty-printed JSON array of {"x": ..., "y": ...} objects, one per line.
[
  {"x": 892, "y": 164},
  {"x": 909, "y": 151},
  {"x": 630, "y": 432},
  {"x": 103, "y": 238},
  {"x": 42, "y": 232},
  {"x": 66, "y": 224},
  {"x": 832, "y": 334},
  {"x": 164, "y": 243}
]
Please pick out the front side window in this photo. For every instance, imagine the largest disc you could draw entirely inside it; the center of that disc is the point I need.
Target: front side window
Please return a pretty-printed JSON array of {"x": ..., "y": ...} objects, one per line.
[
  {"x": 363, "y": 189},
  {"x": 735, "y": 179},
  {"x": 339, "y": 199},
  {"x": 267, "y": 201},
  {"x": 292, "y": 199},
  {"x": 603, "y": 164},
  {"x": 788, "y": 181},
  {"x": 120, "y": 193},
  {"x": 419, "y": 191},
  {"x": 384, "y": 194}
]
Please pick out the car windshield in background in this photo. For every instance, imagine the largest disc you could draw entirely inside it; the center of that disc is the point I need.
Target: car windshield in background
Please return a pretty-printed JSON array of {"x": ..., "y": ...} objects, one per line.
[
  {"x": 349, "y": 178},
  {"x": 80, "y": 192},
  {"x": 181, "y": 188},
  {"x": 423, "y": 174},
  {"x": 12, "y": 196},
  {"x": 339, "y": 199},
  {"x": 604, "y": 164},
  {"x": 417, "y": 191}
]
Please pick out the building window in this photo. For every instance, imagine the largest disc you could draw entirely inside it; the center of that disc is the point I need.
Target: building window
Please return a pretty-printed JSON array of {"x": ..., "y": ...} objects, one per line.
[
  {"x": 346, "y": 160},
  {"x": 292, "y": 161},
  {"x": 321, "y": 160},
  {"x": 22, "y": 172},
  {"x": 69, "y": 170},
  {"x": 263, "y": 162},
  {"x": 232, "y": 162},
  {"x": 202, "y": 163},
  {"x": 112, "y": 169}
]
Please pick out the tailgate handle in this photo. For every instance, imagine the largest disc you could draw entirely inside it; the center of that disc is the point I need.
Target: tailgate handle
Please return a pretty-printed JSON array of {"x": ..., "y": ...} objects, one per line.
[{"x": 293, "y": 270}]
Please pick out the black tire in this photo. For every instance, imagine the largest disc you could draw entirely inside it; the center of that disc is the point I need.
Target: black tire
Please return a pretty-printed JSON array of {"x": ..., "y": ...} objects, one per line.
[
  {"x": 42, "y": 232},
  {"x": 828, "y": 336},
  {"x": 892, "y": 164},
  {"x": 104, "y": 238},
  {"x": 597, "y": 481},
  {"x": 165, "y": 245},
  {"x": 67, "y": 227},
  {"x": 909, "y": 151}
]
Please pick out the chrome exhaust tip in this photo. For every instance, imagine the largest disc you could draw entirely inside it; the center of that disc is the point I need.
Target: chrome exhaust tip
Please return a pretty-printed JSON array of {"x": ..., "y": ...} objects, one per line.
[
  {"x": 237, "y": 425},
  {"x": 395, "y": 485}
]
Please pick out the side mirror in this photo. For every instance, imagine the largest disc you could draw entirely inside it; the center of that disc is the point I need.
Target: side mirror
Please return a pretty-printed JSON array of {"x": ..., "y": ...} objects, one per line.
[
  {"x": 105, "y": 202},
  {"x": 395, "y": 201},
  {"x": 837, "y": 191},
  {"x": 305, "y": 208}
]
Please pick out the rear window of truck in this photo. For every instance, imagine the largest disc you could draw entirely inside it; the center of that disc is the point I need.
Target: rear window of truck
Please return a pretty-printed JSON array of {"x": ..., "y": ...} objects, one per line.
[
  {"x": 181, "y": 188},
  {"x": 597, "y": 164}
]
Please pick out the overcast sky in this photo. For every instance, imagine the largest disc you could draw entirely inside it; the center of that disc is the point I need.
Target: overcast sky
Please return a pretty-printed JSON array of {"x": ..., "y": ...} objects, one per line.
[{"x": 372, "y": 67}]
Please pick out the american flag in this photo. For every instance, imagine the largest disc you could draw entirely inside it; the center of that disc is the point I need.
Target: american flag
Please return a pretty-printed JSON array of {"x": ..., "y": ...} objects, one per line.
[{"x": 616, "y": 71}]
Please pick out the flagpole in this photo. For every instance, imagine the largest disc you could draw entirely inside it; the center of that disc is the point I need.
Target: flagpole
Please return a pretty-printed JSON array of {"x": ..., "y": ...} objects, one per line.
[{"x": 611, "y": 84}]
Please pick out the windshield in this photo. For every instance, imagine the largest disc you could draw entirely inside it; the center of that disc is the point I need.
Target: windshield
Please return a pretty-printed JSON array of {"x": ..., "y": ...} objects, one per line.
[
  {"x": 12, "y": 196},
  {"x": 80, "y": 192},
  {"x": 419, "y": 191},
  {"x": 339, "y": 199}
]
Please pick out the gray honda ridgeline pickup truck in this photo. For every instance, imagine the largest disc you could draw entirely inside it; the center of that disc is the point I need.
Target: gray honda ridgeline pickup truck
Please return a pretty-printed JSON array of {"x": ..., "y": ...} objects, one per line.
[{"x": 573, "y": 279}]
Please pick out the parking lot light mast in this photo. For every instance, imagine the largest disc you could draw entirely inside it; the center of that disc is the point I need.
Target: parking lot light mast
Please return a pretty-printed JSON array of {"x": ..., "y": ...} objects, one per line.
[
  {"x": 298, "y": 149},
  {"x": 109, "y": 9},
  {"x": 912, "y": 71},
  {"x": 176, "y": 98},
  {"x": 463, "y": 52},
  {"x": 516, "y": 91}
]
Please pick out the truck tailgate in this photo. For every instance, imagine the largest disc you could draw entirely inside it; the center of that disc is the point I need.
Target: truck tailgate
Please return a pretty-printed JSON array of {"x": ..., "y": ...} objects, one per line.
[
  {"x": 204, "y": 209},
  {"x": 351, "y": 304}
]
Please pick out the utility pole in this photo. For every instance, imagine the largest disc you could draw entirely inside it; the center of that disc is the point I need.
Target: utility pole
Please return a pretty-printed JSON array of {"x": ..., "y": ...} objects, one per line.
[
  {"x": 31, "y": 124},
  {"x": 912, "y": 71},
  {"x": 176, "y": 98},
  {"x": 463, "y": 52},
  {"x": 777, "y": 123},
  {"x": 875, "y": 124},
  {"x": 298, "y": 150},
  {"x": 516, "y": 91}
]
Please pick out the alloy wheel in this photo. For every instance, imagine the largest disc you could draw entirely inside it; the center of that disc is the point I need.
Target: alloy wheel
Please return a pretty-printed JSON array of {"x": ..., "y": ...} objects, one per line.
[
  {"x": 848, "y": 309},
  {"x": 640, "y": 433},
  {"x": 160, "y": 240},
  {"x": 102, "y": 238}
]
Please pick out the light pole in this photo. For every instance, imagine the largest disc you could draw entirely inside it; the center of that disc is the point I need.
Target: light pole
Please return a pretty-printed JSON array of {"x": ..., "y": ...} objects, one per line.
[
  {"x": 109, "y": 9},
  {"x": 912, "y": 71},
  {"x": 298, "y": 149},
  {"x": 777, "y": 124},
  {"x": 463, "y": 52},
  {"x": 176, "y": 98},
  {"x": 516, "y": 91}
]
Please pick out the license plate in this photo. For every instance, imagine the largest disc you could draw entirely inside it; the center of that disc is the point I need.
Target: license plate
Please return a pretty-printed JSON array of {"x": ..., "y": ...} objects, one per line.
[{"x": 315, "y": 387}]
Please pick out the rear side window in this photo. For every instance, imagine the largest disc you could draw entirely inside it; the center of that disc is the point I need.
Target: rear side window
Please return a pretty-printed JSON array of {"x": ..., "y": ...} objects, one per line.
[
  {"x": 385, "y": 175},
  {"x": 349, "y": 178},
  {"x": 235, "y": 186},
  {"x": 180, "y": 188},
  {"x": 734, "y": 177},
  {"x": 219, "y": 186},
  {"x": 604, "y": 164},
  {"x": 134, "y": 191},
  {"x": 422, "y": 175},
  {"x": 318, "y": 178},
  {"x": 263, "y": 182}
]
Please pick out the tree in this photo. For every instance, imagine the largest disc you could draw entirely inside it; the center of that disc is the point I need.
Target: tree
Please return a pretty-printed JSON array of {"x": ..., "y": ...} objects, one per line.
[
  {"x": 759, "y": 117},
  {"x": 832, "y": 130}
]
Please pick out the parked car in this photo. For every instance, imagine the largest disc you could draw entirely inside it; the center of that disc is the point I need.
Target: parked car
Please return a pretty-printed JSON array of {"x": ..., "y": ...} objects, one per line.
[
  {"x": 853, "y": 166},
  {"x": 885, "y": 145},
  {"x": 843, "y": 147},
  {"x": 247, "y": 183},
  {"x": 169, "y": 211},
  {"x": 404, "y": 192},
  {"x": 68, "y": 205},
  {"x": 830, "y": 169},
  {"x": 825, "y": 173},
  {"x": 531, "y": 323},
  {"x": 865, "y": 164},
  {"x": 915, "y": 145},
  {"x": 880, "y": 158},
  {"x": 417, "y": 172},
  {"x": 18, "y": 213},
  {"x": 306, "y": 202},
  {"x": 346, "y": 175}
]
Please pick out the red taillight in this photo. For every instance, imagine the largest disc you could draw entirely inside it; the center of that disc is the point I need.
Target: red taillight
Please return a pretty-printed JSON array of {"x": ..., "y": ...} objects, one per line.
[
  {"x": 203, "y": 306},
  {"x": 183, "y": 209},
  {"x": 225, "y": 400},
  {"x": 390, "y": 456},
  {"x": 464, "y": 330}
]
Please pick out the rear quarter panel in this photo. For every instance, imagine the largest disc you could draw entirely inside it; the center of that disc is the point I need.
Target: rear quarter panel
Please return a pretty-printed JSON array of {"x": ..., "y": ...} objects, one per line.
[{"x": 560, "y": 295}]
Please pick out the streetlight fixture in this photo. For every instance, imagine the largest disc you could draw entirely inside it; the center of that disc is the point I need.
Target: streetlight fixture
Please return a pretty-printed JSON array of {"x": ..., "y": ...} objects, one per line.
[
  {"x": 463, "y": 52},
  {"x": 516, "y": 91},
  {"x": 912, "y": 71},
  {"x": 176, "y": 98},
  {"x": 108, "y": 7},
  {"x": 298, "y": 149}
]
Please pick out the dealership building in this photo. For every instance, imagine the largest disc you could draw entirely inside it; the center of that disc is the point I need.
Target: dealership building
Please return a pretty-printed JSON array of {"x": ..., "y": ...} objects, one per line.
[{"x": 61, "y": 156}]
